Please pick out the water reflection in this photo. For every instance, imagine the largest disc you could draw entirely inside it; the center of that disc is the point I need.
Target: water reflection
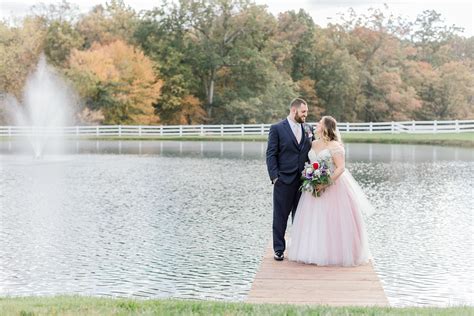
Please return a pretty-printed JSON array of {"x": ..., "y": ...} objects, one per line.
[
  {"x": 131, "y": 226},
  {"x": 192, "y": 219},
  {"x": 250, "y": 150}
]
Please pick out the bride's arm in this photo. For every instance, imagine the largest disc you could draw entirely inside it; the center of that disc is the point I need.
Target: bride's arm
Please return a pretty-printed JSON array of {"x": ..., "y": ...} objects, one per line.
[{"x": 339, "y": 163}]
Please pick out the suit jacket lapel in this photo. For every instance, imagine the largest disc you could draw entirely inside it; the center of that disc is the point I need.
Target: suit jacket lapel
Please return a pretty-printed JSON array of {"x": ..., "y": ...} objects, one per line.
[
  {"x": 290, "y": 132},
  {"x": 303, "y": 136}
]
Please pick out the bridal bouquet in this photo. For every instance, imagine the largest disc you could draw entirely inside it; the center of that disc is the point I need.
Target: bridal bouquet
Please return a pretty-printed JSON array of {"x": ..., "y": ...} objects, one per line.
[{"x": 314, "y": 174}]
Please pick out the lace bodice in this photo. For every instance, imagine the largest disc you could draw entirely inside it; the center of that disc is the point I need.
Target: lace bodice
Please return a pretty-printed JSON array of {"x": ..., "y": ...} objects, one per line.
[
  {"x": 323, "y": 154},
  {"x": 326, "y": 154}
]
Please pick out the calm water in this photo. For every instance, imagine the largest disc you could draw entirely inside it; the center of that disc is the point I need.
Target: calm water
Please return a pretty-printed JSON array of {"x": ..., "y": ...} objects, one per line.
[{"x": 192, "y": 220}]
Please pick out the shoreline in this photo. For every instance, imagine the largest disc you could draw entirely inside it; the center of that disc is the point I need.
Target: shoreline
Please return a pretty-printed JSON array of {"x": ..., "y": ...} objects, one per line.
[{"x": 444, "y": 139}]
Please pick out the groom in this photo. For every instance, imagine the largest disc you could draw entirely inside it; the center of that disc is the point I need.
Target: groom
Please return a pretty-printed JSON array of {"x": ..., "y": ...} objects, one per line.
[{"x": 289, "y": 142}]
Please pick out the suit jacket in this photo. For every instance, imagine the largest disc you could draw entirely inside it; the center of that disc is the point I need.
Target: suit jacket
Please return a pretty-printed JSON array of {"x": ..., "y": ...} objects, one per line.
[{"x": 285, "y": 157}]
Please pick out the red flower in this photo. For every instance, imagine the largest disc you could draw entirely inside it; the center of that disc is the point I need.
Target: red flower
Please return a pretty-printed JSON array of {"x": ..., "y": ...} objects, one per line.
[{"x": 315, "y": 165}]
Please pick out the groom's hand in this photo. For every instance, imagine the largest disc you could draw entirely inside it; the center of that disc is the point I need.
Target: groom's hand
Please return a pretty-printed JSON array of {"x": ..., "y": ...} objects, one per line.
[{"x": 320, "y": 188}]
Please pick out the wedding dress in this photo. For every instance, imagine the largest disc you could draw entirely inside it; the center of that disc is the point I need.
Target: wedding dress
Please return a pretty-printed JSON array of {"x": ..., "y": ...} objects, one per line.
[{"x": 330, "y": 230}]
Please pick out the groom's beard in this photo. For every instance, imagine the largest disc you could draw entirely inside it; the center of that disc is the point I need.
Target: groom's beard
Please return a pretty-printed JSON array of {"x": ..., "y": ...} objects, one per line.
[{"x": 300, "y": 119}]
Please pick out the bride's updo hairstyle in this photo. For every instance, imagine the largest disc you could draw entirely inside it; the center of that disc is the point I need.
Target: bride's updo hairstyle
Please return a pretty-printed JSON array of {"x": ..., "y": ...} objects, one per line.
[{"x": 329, "y": 130}]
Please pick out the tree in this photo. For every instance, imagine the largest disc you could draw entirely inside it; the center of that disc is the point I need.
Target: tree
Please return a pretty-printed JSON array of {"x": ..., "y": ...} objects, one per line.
[
  {"x": 457, "y": 92},
  {"x": 445, "y": 92},
  {"x": 293, "y": 42},
  {"x": 251, "y": 82},
  {"x": 431, "y": 34},
  {"x": 20, "y": 47},
  {"x": 333, "y": 77},
  {"x": 253, "y": 92},
  {"x": 117, "y": 79},
  {"x": 306, "y": 88},
  {"x": 213, "y": 29},
  {"x": 61, "y": 38},
  {"x": 115, "y": 21},
  {"x": 215, "y": 51},
  {"x": 163, "y": 40},
  {"x": 391, "y": 99},
  {"x": 374, "y": 39},
  {"x": 59, "y": 22}
]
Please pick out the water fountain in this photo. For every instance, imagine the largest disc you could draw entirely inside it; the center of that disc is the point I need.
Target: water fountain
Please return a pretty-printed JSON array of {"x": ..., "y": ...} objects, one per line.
[{"x": 46, "y": 109}]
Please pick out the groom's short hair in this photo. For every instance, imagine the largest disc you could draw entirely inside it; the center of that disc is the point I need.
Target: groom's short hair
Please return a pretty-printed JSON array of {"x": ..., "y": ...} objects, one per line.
[{"x": 297, "y": 102}]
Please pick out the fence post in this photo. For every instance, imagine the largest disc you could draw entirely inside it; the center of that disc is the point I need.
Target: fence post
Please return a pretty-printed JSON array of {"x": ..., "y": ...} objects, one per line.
[
  {"x": 262, "y": 129},
  {"x": 392, "y": 127},
  {"x": 202, "y": 130},
  {"x": 371, "y": 129},
  {"x": 9, "y": 131},
  {"x": 222, "y": 130},
  {"x": 413, "y": 126},
  {"x": 139, "y": 130},
  {"x": 242, "y": 129},
  {"x": 97, "y": 130},
  {"x": 435, "y": 126},
  {"x": 120, "y": 130},
  {"x": 181, "y": 130},
  {"x": 77, "y": 130},
  {"x": 456, "y": 124}
]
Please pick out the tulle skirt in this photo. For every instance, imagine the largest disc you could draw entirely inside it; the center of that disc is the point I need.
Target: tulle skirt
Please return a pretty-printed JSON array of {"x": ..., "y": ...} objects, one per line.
[{"x": 330, "y": 230}]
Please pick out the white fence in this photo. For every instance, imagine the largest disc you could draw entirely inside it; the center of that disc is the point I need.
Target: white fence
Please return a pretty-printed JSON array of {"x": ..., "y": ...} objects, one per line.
[{"x": 457, "y": 126}]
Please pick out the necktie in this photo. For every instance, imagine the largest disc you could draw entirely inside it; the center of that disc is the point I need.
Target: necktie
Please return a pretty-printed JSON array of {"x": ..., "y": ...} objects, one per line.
[{"x": 298, "y": 133}]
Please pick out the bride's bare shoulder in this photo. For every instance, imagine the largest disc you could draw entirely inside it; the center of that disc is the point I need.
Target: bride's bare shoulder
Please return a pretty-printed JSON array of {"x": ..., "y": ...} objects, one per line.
[
  {"x": 316, "y": 143},
  {"x": 335, "y": 144}
]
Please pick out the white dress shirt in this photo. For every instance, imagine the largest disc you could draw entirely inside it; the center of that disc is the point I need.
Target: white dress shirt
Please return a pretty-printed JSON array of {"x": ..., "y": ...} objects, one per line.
[{"x": 296, "y": 128}]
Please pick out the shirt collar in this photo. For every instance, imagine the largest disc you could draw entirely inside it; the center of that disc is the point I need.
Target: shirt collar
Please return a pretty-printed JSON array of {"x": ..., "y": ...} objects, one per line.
[{"x": 293, "y": 123}]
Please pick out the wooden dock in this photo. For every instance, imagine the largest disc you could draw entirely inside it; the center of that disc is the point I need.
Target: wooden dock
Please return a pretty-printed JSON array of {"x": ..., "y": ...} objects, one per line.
[{"x": 285, "y": 282}]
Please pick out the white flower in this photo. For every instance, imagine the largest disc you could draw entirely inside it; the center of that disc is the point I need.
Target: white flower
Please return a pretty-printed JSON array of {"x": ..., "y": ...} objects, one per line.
[{"x": 317, "y": 172}]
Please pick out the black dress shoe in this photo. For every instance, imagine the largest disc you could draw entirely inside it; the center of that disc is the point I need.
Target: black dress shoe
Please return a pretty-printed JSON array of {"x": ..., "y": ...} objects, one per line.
[{"x": 278, "y": 256}]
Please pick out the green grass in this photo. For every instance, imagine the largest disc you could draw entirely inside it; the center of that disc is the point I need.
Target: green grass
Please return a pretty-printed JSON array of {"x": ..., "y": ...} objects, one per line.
[
  {"x": 447, "y": 139},
  {"x": 80, "y": 305}
]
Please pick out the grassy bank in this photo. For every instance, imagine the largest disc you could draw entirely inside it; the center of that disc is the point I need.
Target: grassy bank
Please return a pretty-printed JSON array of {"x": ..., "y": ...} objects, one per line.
[
  {"x": 78, "y": 305},
  {"x": 448, "y": 139}
]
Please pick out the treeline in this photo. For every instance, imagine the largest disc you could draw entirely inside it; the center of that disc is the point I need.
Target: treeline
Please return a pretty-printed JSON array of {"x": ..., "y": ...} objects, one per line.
[{"x": 232, "y": 61}]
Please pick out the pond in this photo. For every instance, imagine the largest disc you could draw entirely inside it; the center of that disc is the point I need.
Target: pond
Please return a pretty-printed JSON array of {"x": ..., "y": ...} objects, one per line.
[{"x": 156, "y": 219}]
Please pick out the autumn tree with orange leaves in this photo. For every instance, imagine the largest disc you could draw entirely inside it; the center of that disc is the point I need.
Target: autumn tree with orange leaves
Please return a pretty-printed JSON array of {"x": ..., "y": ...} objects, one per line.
[{"x": 117, "y": 80}]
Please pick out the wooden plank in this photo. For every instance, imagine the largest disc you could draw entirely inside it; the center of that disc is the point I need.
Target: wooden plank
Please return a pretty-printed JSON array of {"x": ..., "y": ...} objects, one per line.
[{"x": 285, "y": 282}]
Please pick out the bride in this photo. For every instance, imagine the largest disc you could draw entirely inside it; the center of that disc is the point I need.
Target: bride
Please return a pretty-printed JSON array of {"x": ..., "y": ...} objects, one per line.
[{"x": 329, "y": 229}]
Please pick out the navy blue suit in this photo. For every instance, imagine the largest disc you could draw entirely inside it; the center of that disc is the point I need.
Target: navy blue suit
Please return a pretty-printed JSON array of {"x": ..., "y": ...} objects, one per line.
[{"x": 285, "y": 161}]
